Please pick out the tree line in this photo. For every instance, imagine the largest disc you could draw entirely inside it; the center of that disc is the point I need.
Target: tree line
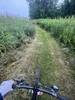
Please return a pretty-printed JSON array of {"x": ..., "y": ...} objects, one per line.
[{"x": 51, "y": 8}]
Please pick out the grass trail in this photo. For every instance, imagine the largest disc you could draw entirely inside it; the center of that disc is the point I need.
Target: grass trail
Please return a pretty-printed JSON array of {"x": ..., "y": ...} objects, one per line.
[
  {"x": 44, "y": 51},
  {"x": 52, "y": 63}
]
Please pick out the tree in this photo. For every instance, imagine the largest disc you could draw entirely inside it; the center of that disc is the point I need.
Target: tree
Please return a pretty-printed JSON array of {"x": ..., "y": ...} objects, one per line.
[
  {"x": 34, "y": 8},
  {"x": 68, "y": 8},
  {"x": 72, "y": 7},
  {"x": 65, "y": 8},
  {"x": 42, "y": 8}
]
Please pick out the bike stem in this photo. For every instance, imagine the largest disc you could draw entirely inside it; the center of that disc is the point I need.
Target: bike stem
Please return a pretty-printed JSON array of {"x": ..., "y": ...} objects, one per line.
[
  {"x": 35, "y": 90},
  {"x": 34, "y": 94},
  {"x": 36, "y": 82}
]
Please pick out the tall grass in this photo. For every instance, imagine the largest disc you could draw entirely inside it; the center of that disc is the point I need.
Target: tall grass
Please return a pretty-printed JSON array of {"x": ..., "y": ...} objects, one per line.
[
  {"x": 63, "y": 29},
  {"x": 13, "y": 32}
]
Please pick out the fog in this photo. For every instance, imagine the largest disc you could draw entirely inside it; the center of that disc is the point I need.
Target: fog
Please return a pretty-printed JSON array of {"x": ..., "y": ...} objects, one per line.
[{"x": 14, "y": 8}]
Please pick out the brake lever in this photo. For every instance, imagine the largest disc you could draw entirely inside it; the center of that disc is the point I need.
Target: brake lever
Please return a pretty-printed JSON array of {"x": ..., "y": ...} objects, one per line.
[
  {"x": 19, "y": 82},
  {"x": 54, "y": 90}
]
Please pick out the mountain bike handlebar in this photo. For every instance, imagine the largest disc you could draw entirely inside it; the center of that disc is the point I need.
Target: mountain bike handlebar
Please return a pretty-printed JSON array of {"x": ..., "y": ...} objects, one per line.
[{"x": 53, "y": 90}]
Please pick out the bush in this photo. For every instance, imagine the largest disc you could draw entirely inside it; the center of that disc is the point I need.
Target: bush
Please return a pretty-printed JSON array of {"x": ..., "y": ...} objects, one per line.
[
  {"x": 63, "y": 29},
  {"x": 13, "y": 31}
]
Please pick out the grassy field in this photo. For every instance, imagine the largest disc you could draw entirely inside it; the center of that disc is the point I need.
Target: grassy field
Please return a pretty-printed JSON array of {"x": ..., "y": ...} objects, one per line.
[
  {"x": 52, "y": 63},
  {"x": 44, "y": 50},
  {"x": 14, "y": 32},
  {"x": 63, "y": 29}
]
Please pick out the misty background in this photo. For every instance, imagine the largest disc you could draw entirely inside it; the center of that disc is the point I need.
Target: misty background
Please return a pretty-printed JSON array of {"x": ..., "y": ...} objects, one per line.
[{"x": 15, "y": 8}]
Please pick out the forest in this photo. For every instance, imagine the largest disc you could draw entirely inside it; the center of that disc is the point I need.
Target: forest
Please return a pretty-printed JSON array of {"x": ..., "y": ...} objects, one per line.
[{"x": 51, "y": 8}]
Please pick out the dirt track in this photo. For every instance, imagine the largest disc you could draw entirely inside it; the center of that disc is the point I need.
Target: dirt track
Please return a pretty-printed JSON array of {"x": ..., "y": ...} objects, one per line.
[
  {"x": 43, "y": 47},
  {"x": 23, "y": 67}
]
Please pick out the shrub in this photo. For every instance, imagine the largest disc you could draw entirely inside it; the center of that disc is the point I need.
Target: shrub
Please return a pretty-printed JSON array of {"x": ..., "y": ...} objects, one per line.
[
  {"x": 13, "y": 31},
  {"x": 63, "y": 29}
]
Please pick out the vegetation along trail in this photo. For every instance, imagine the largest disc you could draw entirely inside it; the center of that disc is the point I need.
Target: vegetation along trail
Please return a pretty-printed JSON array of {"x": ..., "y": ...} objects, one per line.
[{"x": 44, "y": 51}]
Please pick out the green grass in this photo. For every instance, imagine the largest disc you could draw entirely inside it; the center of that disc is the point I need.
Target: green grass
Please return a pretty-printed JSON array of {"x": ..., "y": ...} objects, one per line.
[
  {"x": 47, "y": 53},
  {"x": 63, "y": 29},
  {"x": 47, "y": 50},
  {"x": 45, "y": 58},
  {"x": 13, "y": 32},
  {"x": 45, "y": 61}
]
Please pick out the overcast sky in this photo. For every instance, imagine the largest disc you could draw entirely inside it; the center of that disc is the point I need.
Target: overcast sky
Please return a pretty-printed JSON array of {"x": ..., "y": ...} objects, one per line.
[
  {"x": 15, "y": 7},
  {"x": 60, "y": 1}
]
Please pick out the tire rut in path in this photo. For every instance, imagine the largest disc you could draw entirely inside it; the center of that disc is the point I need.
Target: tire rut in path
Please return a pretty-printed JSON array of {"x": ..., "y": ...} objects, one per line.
[
  {"x": 61, "y": 71},
  {"x": 23, "y": 68},
  {"x": 25, "y": 65}
]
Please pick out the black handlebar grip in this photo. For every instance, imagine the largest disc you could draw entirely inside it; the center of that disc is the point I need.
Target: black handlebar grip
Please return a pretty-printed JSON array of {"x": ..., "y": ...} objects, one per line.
[
  {"x": 14, "y": 86},
  {"x": 62, "y": 98}
]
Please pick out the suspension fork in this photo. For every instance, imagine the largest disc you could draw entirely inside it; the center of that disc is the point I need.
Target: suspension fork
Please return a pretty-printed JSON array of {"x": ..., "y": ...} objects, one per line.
[{"x": 37, "y": 78}]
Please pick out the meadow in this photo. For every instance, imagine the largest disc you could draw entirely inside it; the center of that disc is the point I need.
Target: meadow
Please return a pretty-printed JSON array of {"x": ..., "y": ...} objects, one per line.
[
  {"x": 14, "y": 32},
  {"x": 62, "y": 29},
  {"x": 19, "y": 56}
]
